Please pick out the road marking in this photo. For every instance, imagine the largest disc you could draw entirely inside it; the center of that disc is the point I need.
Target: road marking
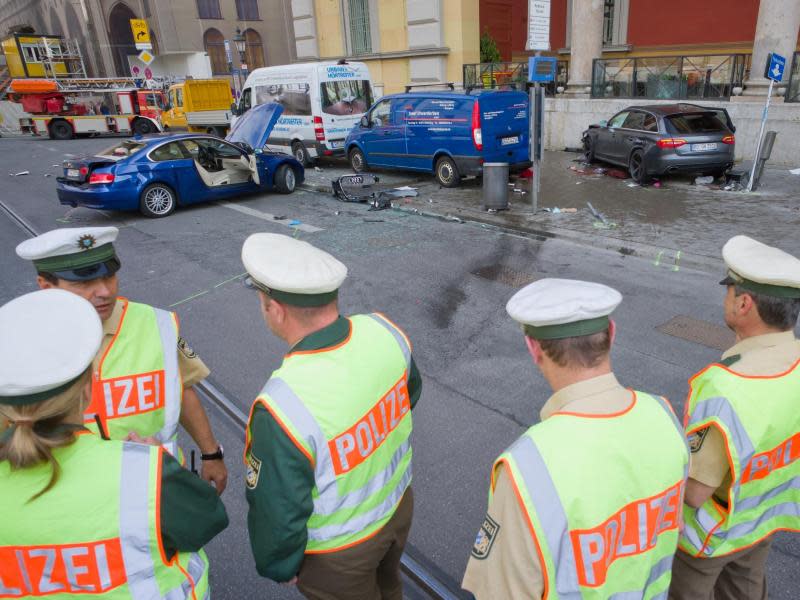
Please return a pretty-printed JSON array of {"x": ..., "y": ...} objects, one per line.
[
  {"x": 192, "y": 297},
  {"x": 269, "y": 217}
]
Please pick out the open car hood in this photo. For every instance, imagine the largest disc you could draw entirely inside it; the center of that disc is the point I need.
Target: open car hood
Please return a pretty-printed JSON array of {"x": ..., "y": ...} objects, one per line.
[{"x": 252, "y": 129}]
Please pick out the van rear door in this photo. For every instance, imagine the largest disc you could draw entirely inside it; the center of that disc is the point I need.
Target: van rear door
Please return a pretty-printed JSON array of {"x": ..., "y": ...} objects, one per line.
[
  {"x": 504, "y": 126},
  {"x": 345, "y": 94}
]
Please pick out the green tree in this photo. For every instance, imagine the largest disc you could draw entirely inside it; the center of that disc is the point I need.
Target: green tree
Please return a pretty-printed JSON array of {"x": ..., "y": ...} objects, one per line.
[{"x": 490, "y": 53}]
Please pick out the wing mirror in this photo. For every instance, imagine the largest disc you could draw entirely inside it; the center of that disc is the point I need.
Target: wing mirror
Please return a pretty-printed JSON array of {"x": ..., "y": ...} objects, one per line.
[
  {"x": 365, "y": 122},
  {"x": 234, "y": 109}
]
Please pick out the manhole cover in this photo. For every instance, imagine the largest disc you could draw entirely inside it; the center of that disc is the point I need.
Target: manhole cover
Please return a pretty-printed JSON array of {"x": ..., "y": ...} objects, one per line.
[
  {"x": 506, "y": 275},
  {"x": 699, "y": 332}
]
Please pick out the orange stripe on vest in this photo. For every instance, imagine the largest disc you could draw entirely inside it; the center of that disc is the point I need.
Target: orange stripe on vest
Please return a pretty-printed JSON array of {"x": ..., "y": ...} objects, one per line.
[
  {"x": 90, "y": 568},
  {"x": 632, "y": 530},
  {"x": 126, "y": 396},
  {"x": 761, "y": 465},
  {"x": 354, "y": 446}
]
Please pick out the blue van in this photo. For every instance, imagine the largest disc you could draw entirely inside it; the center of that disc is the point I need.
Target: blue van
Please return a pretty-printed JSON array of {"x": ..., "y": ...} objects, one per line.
[{"x": 446, "y": 133}]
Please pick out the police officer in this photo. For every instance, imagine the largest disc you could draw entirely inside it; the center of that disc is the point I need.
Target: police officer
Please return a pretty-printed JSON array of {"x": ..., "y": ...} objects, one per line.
[
  {"x": 743, "y": 424},
  {"x": 136, "y": 527},
  {"x": 328, "y": 453},
  {"x": 144, "y": 372},
  {"x": 588, "y": 500}
]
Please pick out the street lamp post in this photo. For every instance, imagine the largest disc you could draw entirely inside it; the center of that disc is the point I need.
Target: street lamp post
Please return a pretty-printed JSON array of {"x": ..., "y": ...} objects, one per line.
[{"x": 241, "y": 47}]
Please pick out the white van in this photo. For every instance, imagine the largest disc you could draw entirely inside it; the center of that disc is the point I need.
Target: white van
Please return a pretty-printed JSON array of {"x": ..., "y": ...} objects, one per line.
[{"x": 322, "y": 101}]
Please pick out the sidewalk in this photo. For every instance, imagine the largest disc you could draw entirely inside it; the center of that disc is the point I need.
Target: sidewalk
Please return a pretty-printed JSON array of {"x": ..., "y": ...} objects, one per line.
[{"x": 678, "y": 223}]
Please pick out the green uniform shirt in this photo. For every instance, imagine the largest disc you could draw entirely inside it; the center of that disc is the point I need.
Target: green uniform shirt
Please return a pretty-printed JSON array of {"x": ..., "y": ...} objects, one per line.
[
  {"x": 192, "y": 513},
  {"x": 280, "y": 502}
]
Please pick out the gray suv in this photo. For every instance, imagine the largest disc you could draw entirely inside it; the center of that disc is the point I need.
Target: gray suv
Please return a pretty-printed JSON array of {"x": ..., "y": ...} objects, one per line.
[{"x": 659, "y": 139}]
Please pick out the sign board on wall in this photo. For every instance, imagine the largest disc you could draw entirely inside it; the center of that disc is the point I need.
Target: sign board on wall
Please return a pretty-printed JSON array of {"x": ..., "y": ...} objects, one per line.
[{"x": 538, "y": 25}]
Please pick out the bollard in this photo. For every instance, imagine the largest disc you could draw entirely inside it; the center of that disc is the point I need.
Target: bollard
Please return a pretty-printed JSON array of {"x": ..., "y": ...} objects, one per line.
[
  {"x": 495, "y": 186},
  {"x": 766, "y": 152}
]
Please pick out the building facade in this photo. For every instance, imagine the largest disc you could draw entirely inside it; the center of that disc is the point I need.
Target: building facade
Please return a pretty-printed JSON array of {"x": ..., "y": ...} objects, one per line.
[
  {"x": 188, "y": 36},
  {"x": 627, "y": 29},
  {"x": 402, "y": 41}
]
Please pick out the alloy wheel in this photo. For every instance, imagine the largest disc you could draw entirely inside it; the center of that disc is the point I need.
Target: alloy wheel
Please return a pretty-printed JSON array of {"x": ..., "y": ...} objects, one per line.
[{"x": 158, "y": 201}]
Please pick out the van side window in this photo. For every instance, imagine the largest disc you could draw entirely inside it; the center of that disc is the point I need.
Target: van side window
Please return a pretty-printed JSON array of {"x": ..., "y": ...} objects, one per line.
[
  {"x": 246, "y": 101},
  {"x": 379, "y": 117}
]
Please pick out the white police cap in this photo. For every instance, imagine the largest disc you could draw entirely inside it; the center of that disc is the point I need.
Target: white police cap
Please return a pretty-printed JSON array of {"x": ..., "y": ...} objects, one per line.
[
  {"x": 760, "y": 268},
  {"x": 560, "y": 308},
  {"x": 292, "y": 271},
  {"x": 73, "y": 253},
  {"x": 49, "y": 339}
]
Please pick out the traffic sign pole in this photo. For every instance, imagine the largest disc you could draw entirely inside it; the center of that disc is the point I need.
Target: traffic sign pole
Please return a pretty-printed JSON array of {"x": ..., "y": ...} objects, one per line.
[
  {"x": 776, "y": 65},
  {"x": 760, "y": 137}
]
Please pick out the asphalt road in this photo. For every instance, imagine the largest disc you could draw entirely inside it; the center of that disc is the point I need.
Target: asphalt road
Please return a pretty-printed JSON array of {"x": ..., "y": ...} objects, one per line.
[{"x": 445, "y": 283}]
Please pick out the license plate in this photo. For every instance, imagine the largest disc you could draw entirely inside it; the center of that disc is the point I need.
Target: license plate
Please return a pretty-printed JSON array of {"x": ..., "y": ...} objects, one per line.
[
  {"x": 335, "y": 144},
  {"x": 507, "y": 141},
  {"x": 703, "y": 147},
  {"x": 73, "y": 174}
]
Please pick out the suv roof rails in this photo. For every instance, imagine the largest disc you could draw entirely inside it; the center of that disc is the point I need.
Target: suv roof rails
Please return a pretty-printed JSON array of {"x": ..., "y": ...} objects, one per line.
[{"x": 449, "y": 84}]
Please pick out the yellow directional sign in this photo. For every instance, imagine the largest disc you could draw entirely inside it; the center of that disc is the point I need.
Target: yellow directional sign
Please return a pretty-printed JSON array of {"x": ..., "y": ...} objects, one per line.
[{"x": 141, "y": 34}]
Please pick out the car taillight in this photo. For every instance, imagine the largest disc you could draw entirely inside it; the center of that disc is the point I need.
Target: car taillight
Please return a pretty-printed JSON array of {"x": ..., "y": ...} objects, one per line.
[
  {"x": 83, "y": 171},
  {"x": 729, "y": 139},
  {"x": 101, "y": 178},
  {"x": 477, "y": 135},
  {"x": 671, "y": 143},
  {"x": 319, "y": 132}
]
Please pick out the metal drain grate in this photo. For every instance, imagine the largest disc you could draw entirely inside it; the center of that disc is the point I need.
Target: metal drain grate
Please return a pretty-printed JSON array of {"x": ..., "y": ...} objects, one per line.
[
  {"x": 506, "y": 275},
  {"x": 699, "y": 332}
]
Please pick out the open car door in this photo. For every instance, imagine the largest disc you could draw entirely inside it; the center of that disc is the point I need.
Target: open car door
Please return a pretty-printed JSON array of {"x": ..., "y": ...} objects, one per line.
[{"x": 252, "y": 130}]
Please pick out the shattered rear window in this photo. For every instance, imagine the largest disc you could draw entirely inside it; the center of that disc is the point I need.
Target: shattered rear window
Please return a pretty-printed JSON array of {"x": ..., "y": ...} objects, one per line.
[
  {"x": 706, "y": 122},
  {"x": 123, "y": 150}
]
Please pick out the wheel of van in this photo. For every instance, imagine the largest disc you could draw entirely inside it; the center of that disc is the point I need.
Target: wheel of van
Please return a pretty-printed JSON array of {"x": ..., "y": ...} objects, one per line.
[
  {"x": 637, "y": 168},
  {"x": 285, "y": 179},
  {"x": 61, "y": 130},
  {"x": 143, "y": 127},
  {"x": 447, "y": 172},
  {"x": 300, "y": 153},
  {"x": 157, "y": 200},
  {"x": 358, "y": 161}
]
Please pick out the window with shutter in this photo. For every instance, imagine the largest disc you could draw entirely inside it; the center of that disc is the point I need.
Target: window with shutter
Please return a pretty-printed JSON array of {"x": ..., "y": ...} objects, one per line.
[{"x": 360, "y": 34}]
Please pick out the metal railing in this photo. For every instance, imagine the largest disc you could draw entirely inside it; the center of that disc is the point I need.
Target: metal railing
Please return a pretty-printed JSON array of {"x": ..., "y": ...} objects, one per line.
[
  {"x": 793, "y": 87},
  {"x": 508, "y": 75},
  {"x": 669, "y": 77}
]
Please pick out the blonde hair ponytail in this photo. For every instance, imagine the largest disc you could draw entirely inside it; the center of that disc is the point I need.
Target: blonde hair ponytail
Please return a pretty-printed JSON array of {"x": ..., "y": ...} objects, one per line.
[{"x": 35, "y": 430}]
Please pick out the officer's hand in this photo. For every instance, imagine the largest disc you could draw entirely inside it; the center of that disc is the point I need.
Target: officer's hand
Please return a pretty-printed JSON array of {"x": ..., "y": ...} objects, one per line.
[
  {"x": 135, "y": 437},
  {"x": 216, "y": 473},
  {"x": 291, "y": 582}
]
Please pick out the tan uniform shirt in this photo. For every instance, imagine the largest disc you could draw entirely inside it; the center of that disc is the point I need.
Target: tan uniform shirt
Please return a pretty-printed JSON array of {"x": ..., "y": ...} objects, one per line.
[
  {"x": 767, "y": 354},
  {"x": 192, "y": 368},
  {"x": 504, "y": 562}
]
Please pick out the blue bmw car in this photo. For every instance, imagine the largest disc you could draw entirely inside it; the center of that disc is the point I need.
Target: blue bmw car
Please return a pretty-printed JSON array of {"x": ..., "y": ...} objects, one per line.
[{"x": 155, "y": 174}]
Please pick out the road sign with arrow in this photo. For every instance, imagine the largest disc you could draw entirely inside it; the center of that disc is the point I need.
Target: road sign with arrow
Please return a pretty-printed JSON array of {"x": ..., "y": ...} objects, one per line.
[
  {"x": 776, "y": 65},
  {"x": 141, "y": 34}
]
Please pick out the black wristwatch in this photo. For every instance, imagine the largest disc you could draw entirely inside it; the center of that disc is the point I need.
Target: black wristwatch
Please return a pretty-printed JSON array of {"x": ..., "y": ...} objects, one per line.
[{"x": 218, "y": 455}]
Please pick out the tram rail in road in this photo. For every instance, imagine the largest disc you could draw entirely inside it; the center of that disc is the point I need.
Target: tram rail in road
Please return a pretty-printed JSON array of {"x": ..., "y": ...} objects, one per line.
[{"x": 422, "y": 578}]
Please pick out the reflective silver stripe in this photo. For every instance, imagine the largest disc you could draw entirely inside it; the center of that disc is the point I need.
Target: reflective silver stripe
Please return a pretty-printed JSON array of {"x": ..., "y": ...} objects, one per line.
[
  {"x": 134, "y": 521},
  {"x": 331, "y": 504},
  {"x": 662, "y": 566},
  {"x": 364, "y": 520},
  {"x": 399, "y": 337},
  {"x": 551, "y": 513},
  {"x": 754, "y": 501},
  {"x": 172, "y": 375},
  {"x": 196, "y": 569},
  {"x": 722, "y": 408},
  {"x": 786, "y": 509},
  {"x": 692, "y": 536},
  {"x": 172, "y": 448},
  {"x": 329, "y": 500}
]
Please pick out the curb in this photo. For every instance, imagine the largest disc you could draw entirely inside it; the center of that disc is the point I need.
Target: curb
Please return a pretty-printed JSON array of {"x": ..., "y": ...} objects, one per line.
[{"x": 664, "y": 257}]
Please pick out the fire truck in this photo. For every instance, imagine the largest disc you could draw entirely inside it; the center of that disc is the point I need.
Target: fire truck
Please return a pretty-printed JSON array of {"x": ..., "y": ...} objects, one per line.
[{"x": 50, "y": 82}]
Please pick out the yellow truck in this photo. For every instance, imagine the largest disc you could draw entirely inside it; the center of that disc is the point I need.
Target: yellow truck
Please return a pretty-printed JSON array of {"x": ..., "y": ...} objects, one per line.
[{"x": 199, "y": 105}]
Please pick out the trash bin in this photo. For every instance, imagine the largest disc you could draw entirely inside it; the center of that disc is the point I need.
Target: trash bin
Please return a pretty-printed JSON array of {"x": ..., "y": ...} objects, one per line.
[{"x": 495, "y": 186}]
